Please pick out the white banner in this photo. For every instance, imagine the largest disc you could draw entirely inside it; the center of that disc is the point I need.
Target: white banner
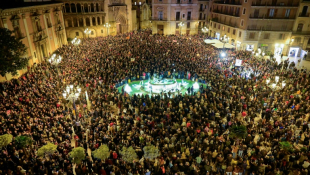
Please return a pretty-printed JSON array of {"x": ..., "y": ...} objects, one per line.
[{"x": 238, "y": 62}]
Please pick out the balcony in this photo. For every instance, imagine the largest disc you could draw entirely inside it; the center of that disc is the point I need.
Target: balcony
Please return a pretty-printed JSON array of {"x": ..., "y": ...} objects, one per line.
[
  {"x": 303, "y": 15},
  {"x": 20, "y": 36},
  {"x": 237, "y": 3},
  {"x": 272, "y": 28},
  {"x": 278, "y": 5},
  {"x": 266, "y": 17},
  {"x": 226, "y": 13},
  {"x": 301, "y": 33},
  {"x": 231, "y": 24},
  {"x": 158, "y": 19}
]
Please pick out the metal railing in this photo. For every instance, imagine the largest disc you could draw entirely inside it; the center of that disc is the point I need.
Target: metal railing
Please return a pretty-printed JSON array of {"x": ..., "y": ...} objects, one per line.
[
  {"x": 303, "y": 15},
  {"x": 272, "y": 28},
  {"x": 268, "y": 17},
  {"x": 226, "y": 13},
  {"x": 228, "y": 3},
  {"x": 271, "y": 4}
]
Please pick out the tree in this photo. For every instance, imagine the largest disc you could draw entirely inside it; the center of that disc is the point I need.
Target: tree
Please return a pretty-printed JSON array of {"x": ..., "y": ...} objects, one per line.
[
  {"x": 5, "y": 140},
  {"x": 151, "y": 152},
  {"x": 102, "y": 152},
  {"x": 128, "y": 154},
  {"x": 11, "y": 51},
  {"x": 286, "y": 146},
  {"x": 23, "y": 141},
  {"x": 238, "y": 132},
  {"x": 47, "y": 149},
  {"x": 78, "y": 154}
]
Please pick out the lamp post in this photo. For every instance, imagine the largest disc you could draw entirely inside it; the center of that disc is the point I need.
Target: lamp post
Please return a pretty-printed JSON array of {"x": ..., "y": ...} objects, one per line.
[
  {"x": 76, "y": 41},
  {"x": 289, "y": 45},
  {"x": 55, "y": 60},
  {"x": 204, "y": 30},
  {"x": 107, "y": 25},
  {"x": 181, "y": 24},
  {"x": 276, "y": 86},
  {"x": 72, "y": 93},
  {"x": 225, "y": 40},
  {"x": 87, "y": 32}
]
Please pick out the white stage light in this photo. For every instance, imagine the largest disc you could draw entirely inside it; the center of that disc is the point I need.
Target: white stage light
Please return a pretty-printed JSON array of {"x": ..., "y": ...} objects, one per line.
[
  {"x": 196, "y": 85},
  {"x": 127, "y": 88},
  {"x": 223, "y": 54}
]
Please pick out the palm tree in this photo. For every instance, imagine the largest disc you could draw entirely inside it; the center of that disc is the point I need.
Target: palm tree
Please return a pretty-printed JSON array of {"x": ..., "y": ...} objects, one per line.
[{"x": 238, "y": 132}]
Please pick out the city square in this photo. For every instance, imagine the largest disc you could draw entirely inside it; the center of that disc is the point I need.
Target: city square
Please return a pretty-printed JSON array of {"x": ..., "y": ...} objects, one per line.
[{"x": 161, "y": 87}]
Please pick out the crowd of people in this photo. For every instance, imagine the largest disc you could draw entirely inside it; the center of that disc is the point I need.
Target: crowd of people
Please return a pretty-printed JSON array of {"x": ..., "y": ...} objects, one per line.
[{"x": 191, "y": 130}]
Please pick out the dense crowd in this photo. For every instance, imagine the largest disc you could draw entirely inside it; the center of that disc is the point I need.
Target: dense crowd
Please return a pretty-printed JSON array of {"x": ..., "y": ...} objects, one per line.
[{"x": 191, "y": 130}]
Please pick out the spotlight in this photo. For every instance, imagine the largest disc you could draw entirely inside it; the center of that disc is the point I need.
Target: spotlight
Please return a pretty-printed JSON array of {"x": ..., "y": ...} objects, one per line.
[
  {"x": 223, "y": 54},
  {"x": 196, "y": 85}
]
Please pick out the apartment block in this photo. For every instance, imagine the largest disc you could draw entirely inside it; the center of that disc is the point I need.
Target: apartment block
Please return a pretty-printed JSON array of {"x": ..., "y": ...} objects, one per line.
[
  {"x": 300, "y": 41},
  {"x": 264, "y": 25},
  {"x": 175, "y": 17}
]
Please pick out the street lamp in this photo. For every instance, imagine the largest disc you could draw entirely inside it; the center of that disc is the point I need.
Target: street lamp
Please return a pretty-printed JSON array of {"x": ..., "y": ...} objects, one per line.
[
  {"x": 225, "y": 40},
  {"x": 76, "y": 41},
  {"x": 204, "y": 30},
  {"x": 181, "y": 24},
  {"x": 72, "y": 93},
  {"x": 87, "y": 32},
  {"x": 107, "y": 25}
]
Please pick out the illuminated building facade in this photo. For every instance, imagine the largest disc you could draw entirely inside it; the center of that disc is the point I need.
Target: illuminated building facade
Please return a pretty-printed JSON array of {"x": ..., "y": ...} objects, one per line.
[
  {"x": 264, "y": 25},
  {"x": 39, "y": 26}
]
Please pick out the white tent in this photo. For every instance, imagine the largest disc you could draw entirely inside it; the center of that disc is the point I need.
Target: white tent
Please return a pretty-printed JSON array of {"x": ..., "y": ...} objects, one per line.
[{"x": 218, "y": 44}]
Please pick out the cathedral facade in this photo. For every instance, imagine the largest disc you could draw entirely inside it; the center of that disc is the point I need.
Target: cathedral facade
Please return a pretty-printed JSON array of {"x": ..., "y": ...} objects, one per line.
[{"x": 99, "y": 17}]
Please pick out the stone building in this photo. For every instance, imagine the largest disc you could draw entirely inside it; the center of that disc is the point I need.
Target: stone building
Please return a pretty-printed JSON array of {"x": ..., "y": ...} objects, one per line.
[
  {"x": 261, "y": 25},
  {"x": 93, "y": 14},
  {"x": 168, "y": 14},
  {"x": 300, "y": 41},
  {"x": 39, "y": 26},
  {"x": 142, "y": 14}
]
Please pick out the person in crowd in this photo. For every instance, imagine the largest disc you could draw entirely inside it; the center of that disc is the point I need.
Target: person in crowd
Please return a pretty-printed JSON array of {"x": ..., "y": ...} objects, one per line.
[{"x": 190, "y": 127}]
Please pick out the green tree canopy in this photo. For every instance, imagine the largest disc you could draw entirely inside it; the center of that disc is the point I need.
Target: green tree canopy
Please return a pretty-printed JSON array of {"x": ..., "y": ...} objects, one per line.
[
  {"x": 238, "y": 132},
  {"x": 77, "y": 154},
  {"x": 128, "y": 154},
  {"x": 151, "y": 152},
  {"x": 5, "y": 140},
  {"x": 286, "y": 146},
  {"x": 47, "y": 149},
  {"x": 23, "y": 141},
  {"x": 11, "y": 51},
  {"x": 102, "y": 152}
]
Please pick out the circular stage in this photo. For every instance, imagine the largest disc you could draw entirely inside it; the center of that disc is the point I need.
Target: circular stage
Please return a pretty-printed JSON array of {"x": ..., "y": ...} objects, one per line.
[{"x": 157, "y": 86}]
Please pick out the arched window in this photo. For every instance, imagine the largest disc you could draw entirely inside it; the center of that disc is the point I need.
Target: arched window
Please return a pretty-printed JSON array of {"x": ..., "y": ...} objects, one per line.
[
  {"x": 87, "y": 22},
  {"x": 92, "y": 7},
  {"x": 75, "y": 21},
  {"x": 94, "y": 21},
  {"x": 85, "y": 8},
  {"x": 78, "y": 8},
  {"x": 98, "y": 20},
  {"x": 299, "y": 27},
  {"x": 67, "y": 6},
  {"x": 69, "y": 23},
  {"x": 81, "y": 23},
  {"x": 97, "y": 7},
  {"x": 144, "y": 13},
  {"x": 73, "y": 9}
]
